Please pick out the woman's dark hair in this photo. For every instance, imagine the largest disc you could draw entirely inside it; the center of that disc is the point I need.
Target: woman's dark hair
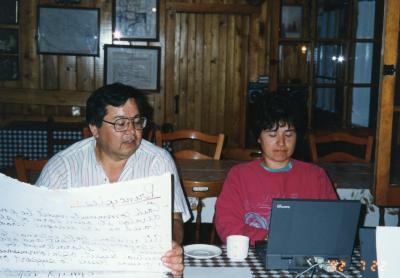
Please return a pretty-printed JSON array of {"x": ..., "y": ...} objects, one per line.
[
  {"x": 116, "y": 95},
  {"x": 275, "y": 110}
]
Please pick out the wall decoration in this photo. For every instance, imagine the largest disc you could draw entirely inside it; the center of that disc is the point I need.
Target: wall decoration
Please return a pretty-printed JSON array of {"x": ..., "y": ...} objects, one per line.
[
  {"x": 68, "y": 31},
  {"x": 292, "y": 21},
  {"x": 9, "y": 11},
  {"x": 138, "y": 66},
  {"x": 136, "y": 20}
]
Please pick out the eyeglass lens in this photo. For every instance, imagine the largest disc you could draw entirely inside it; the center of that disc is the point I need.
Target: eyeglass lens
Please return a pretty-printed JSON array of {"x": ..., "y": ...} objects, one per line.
[{"x": 123, "y": 124}]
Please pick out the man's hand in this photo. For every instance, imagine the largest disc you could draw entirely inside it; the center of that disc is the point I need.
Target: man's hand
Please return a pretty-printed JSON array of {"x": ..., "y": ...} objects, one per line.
[{"x": 173, "y": 259}]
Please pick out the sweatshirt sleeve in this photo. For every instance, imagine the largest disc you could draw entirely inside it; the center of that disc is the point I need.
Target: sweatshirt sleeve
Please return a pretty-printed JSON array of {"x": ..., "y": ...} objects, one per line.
[
  {"x": 230, "y": 212},
  {"x": 327, "y": 189}
]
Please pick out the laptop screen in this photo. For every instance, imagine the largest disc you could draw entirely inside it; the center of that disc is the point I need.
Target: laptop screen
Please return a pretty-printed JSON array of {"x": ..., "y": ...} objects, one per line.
[{"x": 304, "y": 229}]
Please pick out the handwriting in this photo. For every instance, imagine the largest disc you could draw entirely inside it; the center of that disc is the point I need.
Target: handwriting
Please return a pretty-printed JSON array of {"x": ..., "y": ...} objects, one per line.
[{"x": 97, "y": 232}]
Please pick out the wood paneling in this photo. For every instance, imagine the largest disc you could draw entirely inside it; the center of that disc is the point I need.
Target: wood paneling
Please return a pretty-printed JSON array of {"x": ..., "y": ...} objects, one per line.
[
  {"x": 385, "y": 193},
  {"x": 211, "y": 49}
]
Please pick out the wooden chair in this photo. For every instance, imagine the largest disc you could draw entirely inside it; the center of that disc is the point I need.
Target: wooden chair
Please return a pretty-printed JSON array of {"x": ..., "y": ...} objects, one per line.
[
  {"x": 241, "y": 154},
  {"x": 315, "y": 139},
  {"x": 86, "y": 133},
  {"x": 192, "y": 134},
  {"x": 201, "y": 190},
  {"x": 28, "y": 170}
]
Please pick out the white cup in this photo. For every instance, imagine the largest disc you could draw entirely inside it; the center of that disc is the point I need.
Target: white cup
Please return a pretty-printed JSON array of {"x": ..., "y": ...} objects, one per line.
[{"x": 237, "y": 247}]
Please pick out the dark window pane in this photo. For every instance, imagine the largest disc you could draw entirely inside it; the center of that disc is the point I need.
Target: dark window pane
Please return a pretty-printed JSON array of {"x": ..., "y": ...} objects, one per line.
[
  {"x": 327, "y": 107},
  {"x": 330, "y": 63},
  {"x": 332, "y": 19},
  {"x": 293, "y": 64},
  {"x": 292, "y": 21}
]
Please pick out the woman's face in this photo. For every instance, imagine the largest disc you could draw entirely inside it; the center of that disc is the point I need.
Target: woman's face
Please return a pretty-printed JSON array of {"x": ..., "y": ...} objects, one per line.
[{"x": 278, "y": 146}]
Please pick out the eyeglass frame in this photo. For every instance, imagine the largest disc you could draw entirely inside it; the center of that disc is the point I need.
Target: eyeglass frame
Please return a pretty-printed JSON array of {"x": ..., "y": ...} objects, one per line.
[{"x": 130, "y": 121}]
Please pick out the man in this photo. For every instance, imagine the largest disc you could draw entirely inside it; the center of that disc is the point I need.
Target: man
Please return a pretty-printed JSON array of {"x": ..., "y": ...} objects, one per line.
[
  {"x": 245, "y": 202},
  {"x": 116, "y": 115}
]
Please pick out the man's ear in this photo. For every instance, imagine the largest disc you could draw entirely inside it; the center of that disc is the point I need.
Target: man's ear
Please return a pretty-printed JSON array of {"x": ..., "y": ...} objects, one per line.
[{"x": 94, "y": 130}]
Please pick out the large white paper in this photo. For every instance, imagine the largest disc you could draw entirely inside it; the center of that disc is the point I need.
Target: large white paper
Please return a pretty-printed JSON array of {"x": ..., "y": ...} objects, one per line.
[
  {"x": 119, "y": 227},
  {"x": 87, "y": 274},
  {"x": 387, "y": 251}
]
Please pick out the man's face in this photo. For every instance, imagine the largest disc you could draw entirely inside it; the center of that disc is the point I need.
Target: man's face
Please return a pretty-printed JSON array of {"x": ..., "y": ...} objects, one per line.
[
  {"x": 278, "y": 146},
  {"x": 118, "y": 145}
]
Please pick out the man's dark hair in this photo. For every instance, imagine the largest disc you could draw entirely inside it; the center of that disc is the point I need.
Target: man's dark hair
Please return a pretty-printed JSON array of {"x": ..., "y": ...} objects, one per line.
[
  {"x": 275, "y": 110},
  {"x": 116, "y": 95}
]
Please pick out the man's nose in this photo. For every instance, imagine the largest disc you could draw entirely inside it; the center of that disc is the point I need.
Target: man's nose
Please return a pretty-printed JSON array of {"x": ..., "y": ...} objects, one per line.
[{"x": 131, "y": 127}]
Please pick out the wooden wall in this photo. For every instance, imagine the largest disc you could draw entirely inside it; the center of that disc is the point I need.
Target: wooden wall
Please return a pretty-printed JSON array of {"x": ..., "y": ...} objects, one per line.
[{"x": 51, "y": 84}]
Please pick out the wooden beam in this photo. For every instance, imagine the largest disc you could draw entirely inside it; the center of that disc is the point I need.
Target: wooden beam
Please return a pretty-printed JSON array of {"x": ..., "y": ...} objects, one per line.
[
  {"x": 43, "y": 97},
  {"x": 212, "y": 8},
  {"x": 385, "y": 194}
]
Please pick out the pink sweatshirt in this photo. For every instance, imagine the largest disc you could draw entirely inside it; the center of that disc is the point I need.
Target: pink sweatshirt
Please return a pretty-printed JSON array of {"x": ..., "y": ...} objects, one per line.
[{"x": 244, "y": 204}]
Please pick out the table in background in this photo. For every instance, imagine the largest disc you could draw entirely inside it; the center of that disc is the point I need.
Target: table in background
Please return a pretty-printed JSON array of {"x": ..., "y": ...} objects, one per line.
[
  {"x": 204, "y": 170},
  {"x": 350, "y": 175},
  {"x": 257, "y": 269}
]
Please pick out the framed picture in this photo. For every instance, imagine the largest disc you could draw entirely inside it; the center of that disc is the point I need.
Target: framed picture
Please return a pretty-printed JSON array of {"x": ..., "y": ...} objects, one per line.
[
  {"x": 138, "y": 66},
  {"x": 9, "y": 69},
  {"x": 136, "y": 20},
  {"x": 9, "y": 11},
  {"x": 68, "y": 31},
  {"x": 8, "y": 41},
  {"x": 292, "y": 21}
]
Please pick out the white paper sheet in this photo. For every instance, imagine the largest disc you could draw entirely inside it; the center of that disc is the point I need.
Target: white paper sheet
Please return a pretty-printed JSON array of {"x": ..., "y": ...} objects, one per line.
[
  {"x": 217, "y": 272},
  {"x": 387, "y": 251},
  {"x": 88, "y": 274},
  {"x": 120, "y": 227}
]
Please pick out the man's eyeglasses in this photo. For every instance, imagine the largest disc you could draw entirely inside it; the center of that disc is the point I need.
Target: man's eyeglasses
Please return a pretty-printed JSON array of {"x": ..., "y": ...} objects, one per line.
[{"x": 122, "y": 124}]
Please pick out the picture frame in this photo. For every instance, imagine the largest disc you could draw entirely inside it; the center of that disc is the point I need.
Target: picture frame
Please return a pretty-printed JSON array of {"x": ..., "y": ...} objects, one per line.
[
  {"x": 292, "y": 21},
  {"x": 68, "y": 31},
  {"x": 135, "y": 20},
  {"x": 8, "y": 41},
  {"x": 137, "y": 66},
  {"x": 9, "y": 10},
  {"x": 9, "y": 67}
]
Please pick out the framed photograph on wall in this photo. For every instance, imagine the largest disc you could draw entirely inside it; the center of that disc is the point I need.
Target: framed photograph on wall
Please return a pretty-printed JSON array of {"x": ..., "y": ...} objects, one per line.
[
  {"x": 9, "y": 11},
  {"x": 135, "y": 20},
  {"x": 292, "y": 21},
  {"x": 68, "y": 31},
  {"x": 8, "y": 41},
  {"x": 138, "y": 66},
  {"x": 9, "y": 69}
]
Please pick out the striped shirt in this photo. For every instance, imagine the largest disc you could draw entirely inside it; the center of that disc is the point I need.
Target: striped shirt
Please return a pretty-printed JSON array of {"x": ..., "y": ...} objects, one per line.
[{"x": 77, "y": 166}]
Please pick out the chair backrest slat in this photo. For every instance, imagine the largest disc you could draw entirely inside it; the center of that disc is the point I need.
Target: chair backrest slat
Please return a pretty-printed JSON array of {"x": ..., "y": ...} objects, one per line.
[
  {"x": 24, "y": 167},
  {"x": 192, "y": 134},
  {"x": 340, "y": 155}
]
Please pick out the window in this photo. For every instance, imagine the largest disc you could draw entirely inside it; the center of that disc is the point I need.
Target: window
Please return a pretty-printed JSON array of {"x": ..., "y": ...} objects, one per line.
[{"x": 329, "y": 49}]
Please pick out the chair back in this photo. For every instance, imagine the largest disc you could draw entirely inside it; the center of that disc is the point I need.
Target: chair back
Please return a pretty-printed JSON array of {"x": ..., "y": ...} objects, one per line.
[
  {"x": 316, "y": 139},
  {"x": 86, "y": 133},
  {"x": 192, "y": 134},
  {"x": 201, "y": 190},
  {"x": 28, "y": 170},
  {"x": 241, "y": 154}
]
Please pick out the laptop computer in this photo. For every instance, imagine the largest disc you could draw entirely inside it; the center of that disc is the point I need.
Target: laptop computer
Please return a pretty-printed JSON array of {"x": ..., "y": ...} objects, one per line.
[
  {"x": 369, "y": 264},
  {"x": 301, "y": 230}
]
